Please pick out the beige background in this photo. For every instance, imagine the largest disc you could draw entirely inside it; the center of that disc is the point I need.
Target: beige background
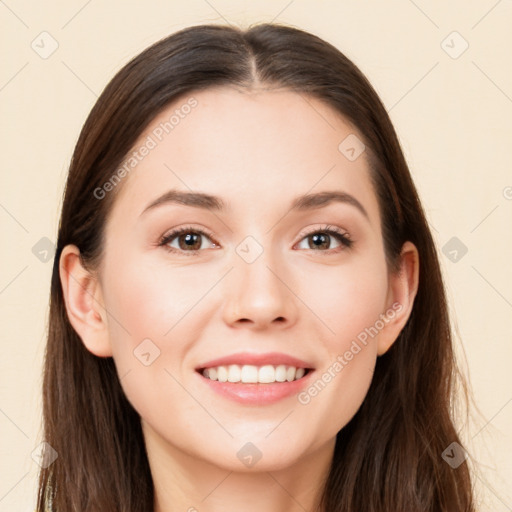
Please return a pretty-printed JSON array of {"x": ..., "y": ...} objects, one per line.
[{"x": 451, "y": 108}]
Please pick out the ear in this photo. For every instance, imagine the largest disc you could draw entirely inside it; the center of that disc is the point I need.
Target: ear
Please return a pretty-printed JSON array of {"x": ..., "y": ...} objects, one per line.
[
  {"x": 84, "y": 302},
  {"x": 402, "y": 290}
]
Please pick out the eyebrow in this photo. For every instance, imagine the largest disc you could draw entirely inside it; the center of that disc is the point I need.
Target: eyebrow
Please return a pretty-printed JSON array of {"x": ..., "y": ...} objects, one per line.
[{"x": 214, "y": 203}]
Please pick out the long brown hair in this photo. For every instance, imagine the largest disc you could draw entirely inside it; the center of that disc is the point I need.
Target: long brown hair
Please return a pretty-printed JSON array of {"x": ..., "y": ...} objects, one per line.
[{"x": 389, "y": 456}]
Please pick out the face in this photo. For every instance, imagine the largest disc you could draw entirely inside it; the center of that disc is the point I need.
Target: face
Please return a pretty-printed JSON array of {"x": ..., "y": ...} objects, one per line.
[{"x": 256, "y": 276}]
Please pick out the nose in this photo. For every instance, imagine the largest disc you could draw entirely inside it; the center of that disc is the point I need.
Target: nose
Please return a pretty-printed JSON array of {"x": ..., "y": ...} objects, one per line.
[{"x": 259, "y": 294}]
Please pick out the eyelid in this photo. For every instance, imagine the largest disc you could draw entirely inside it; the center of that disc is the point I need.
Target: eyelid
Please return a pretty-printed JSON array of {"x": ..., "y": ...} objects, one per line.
[
  {"x": 325, "y": 228},
  {"x": 187, "y": 227}
]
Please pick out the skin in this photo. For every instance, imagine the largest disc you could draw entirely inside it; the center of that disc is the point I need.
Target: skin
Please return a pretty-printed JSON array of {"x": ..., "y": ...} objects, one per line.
[{"x": 257, "y": 151}]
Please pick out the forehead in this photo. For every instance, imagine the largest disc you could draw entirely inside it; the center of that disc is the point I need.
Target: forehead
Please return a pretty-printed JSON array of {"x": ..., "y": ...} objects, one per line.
[{"x": 249, "y": 148}]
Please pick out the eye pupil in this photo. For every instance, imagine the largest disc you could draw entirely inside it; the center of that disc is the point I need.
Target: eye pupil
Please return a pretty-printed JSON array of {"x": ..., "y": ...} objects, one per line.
[
  {"x": 190, "y": 240},
  {"x": 319, "y": 237}
]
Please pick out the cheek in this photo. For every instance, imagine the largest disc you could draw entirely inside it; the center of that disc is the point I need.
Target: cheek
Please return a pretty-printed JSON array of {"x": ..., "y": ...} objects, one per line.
[
  {"x": 156, "y": 313},
  {"x": 340, "y": 388},
  {"x": 349, "y": 300},
  {"x": 151, "y": 334},
  {"x": 149, "y": 302}
]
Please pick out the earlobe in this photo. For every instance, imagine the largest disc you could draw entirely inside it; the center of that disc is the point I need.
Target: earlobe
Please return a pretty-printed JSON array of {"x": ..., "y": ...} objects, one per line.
[
  {"x": 83, "y": 301},
  {"x": 402, "y": 290}
]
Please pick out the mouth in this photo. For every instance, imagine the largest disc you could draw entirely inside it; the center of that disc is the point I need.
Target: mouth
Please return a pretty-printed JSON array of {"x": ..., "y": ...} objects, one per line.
[
  {"x": 253, "y": 385},
  {"x": 252, "y": 374},
  {"x": 256, "y": 379}
]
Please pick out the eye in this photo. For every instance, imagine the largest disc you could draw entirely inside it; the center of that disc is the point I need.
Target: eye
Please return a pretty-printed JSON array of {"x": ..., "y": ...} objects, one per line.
[
  {"x": 321, "y": 239},
  {"x": 188, "y": 239}
]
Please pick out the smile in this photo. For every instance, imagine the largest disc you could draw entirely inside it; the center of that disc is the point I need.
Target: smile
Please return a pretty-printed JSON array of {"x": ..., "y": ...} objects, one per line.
[{"x": 266, "y": 389}]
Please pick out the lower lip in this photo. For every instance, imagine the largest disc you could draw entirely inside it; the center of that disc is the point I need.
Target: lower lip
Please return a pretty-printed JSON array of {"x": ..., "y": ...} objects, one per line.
[{"x": 257, "y": 394}]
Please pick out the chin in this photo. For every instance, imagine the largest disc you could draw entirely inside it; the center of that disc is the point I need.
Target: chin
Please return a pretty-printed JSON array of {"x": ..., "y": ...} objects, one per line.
[{"x": 259, "y": 456}]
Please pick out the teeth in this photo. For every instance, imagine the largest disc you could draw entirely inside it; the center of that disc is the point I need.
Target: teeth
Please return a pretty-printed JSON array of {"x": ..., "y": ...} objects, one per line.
[
  {"x": 300, "y": 373},
  {"x": 222, "y": 374},
  {"x": 248, "y": 374},
  {"x": 254, "y": 374},
  {"x": 291, "y": 373}
]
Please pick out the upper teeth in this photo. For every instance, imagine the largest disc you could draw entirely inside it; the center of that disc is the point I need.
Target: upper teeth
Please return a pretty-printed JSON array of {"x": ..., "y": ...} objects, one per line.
[{"x": 254, "y": 374}]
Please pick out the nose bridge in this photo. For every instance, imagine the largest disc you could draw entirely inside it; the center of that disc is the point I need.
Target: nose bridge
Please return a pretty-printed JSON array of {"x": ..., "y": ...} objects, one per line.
[{"x": 256, "y": 290}]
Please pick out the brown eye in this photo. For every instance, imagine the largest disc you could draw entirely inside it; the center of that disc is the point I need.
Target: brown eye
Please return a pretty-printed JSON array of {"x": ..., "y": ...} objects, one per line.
[
  {"x": 189, "y": 240},
  {"x": 321, "y": 240}
]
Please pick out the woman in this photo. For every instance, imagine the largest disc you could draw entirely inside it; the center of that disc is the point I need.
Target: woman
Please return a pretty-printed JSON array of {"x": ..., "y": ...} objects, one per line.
[{"x": 247, "y": 310}]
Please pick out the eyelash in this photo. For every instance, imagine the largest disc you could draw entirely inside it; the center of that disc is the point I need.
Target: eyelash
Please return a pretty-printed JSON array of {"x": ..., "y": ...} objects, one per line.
[{"x": 337, "y": 233}]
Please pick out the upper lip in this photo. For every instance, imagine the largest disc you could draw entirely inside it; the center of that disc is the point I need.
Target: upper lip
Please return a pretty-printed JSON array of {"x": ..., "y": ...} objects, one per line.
[{"x": 241, "y": 358}]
